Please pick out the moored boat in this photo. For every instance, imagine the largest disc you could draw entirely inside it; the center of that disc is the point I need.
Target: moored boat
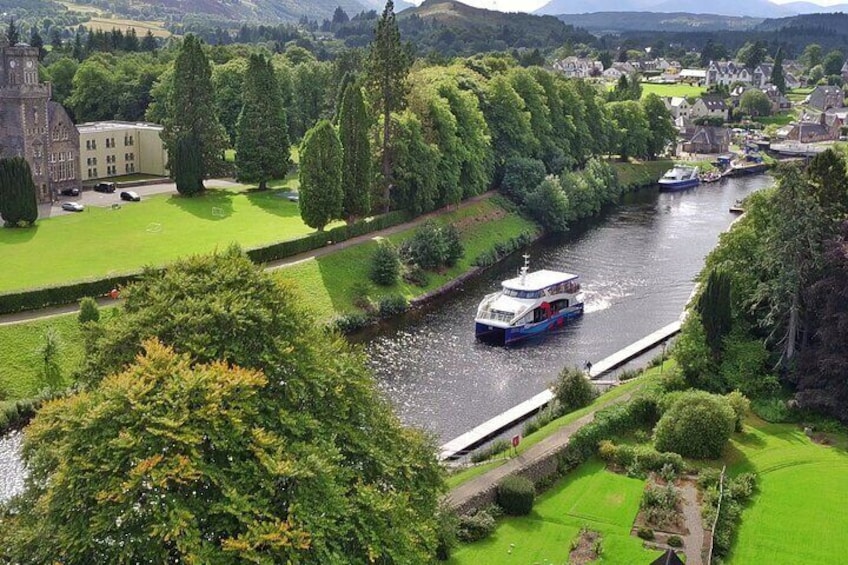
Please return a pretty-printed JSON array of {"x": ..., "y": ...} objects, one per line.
[
  {"x": 680, "y": 177},
  {"x": 528, "y": 305}
]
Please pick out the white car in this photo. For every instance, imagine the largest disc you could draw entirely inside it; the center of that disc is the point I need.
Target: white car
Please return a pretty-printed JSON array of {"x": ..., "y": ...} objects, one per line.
[{"x": 72, "y": 206}]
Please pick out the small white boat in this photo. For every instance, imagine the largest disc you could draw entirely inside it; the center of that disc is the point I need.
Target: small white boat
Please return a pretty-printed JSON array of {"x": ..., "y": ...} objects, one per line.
[
  {"x": 528, "y": 305},
  {"x": 680, "y": 177}
]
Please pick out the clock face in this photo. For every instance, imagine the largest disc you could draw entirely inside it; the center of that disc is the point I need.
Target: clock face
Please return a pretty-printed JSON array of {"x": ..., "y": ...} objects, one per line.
[
  {"x": 29, "y": 64},
  {"x": 12, "y": 64}
]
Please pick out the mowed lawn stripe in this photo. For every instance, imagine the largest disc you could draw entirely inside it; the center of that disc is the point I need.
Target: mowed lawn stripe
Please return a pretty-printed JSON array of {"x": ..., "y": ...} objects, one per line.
[{"x": 157, "y": 230}]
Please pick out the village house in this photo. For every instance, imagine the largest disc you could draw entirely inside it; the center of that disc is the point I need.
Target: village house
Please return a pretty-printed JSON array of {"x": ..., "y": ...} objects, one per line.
[
  {"x": 813, "y": 128},
  {"x": 728, "y": 72},
  {"x": 575, "y": 67},
  {"x": 710, "y": 107},
  {"x": 678, "y": 107},
  {"x": 705, "y": 139},
  {"x": 612, "y": 74},
  {"x": 826, "y": 97}
]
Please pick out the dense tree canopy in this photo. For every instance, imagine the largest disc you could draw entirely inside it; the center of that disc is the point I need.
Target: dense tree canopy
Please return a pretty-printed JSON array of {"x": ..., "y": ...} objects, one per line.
[
  {"x": 321, "y": 195},
  {"x": 260, "y": 438}
]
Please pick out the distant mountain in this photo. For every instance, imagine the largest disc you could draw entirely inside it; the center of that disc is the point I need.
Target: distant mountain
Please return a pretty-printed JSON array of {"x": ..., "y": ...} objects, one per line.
[
  {"x": 822, "y": 24},
  {"x": 748, "y": 8},
  {"x": 617, "y": 22}
]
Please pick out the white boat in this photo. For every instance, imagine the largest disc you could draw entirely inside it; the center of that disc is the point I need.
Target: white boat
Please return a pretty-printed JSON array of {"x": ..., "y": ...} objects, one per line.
[
  {"x": 680, "y": 177},
  {"x": 528, "y": 305}
]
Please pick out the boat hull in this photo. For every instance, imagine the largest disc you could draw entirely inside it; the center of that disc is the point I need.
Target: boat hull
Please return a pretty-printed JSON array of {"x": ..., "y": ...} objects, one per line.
[
  {"x": 669, "y": 186},
  {"x": 507, "y": 336}
]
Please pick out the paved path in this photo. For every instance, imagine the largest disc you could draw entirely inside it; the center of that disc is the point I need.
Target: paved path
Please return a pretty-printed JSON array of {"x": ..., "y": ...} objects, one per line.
[
  {"x": 551, "y": 444},
  {"x": 52, "y": 311},
  {"x": 693, "y": 542}
]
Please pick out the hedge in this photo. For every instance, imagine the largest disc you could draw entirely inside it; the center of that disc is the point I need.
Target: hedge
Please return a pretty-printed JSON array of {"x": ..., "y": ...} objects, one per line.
[{"x": 36, "y": 298}]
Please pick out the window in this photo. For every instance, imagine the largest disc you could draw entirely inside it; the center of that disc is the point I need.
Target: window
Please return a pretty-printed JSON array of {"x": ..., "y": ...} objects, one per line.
[{"x": 132, "y": 156}]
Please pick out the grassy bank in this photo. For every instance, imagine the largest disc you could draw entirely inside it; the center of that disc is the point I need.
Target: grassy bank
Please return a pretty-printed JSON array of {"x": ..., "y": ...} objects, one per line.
[
  {"x": 683, "y": 90},
  {"x": 339, "y": 282},
  {"x": 640, "y": 173}
]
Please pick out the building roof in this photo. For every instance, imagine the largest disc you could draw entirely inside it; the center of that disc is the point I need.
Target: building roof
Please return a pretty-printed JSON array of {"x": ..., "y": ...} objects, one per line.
[
  {"x": 92, "y": 127},
  {"x": 693, "y": 73},
  {"x": 714, "y": 103},
  {"x": 677, "y": 101},
  {"x": 710, "y": 135},
  {"x": 667, "y": 558},
  {"x": 538, "y": 280}
]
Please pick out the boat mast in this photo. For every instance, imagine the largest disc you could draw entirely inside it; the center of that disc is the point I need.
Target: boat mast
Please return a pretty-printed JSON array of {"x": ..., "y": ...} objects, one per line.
[{"x": 525, "y": 268}]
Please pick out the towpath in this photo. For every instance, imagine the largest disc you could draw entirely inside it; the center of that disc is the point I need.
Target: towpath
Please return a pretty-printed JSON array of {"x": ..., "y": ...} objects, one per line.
[{"x": 53, "y": 311}]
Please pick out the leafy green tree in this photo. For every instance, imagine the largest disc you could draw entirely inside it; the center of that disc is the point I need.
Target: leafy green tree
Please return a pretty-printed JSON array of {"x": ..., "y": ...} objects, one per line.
[
  {"x": 385, "y": 264},
  {"x": 312, "y": 95},
  {"x": 777, "y": 77},
  {"x": 509, "y": 123},
  {"x": 627, "y": 88},
  {"x": 356, "y": 159},
  {"x": 815, "y": 74},
  {"x": 574, "y": 107},
  {"x": 432, "y": 246},
  {"x": 660, "y": 125},
  {"x": 18, "y": 202},
  {"x": 714, "y": 308},
  {"x": 48, "y": 352},
  {"x": 61, "y": 73},
  {"x": 95, "y": 90},
  {"x": 812, "y": 56},
  {"x": 262, "y": 140},
  {"x": 752, "y": 54},
  {"x": 474, "y": 142},
  {"x": 415, "y": 188},
  {"x": 387, "y": 68},
  {"x": 321, "y": 195},
  {"x": 601, "y": 130},
  {"x": 832, "y": 63},
  {"x": 89, "y": 311},
  {"x": 605, "y": 57},
  {"x": 548, "y": 205},
  {"x": 191, "y": 113},
  {"x": 563, "y": 130},
  {"x": 276, "y": 449},
  {"x": 573, "y": 390},
  {"x": 36, "y": 41},
  {"x": 694, "y": 356},
  {"x": 228, "y": 80},
  {"x": 521, "y": 176},
  {"x": 440, "y": 130},
  {"x": 755, "y": 103},
  {"x": 535, "y": 102},
  {"x": 632, "y": 129},
  {"x": 697, "y": 425}
]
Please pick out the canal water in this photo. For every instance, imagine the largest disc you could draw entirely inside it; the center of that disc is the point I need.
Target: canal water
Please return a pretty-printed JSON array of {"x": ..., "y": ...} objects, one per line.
[{"x": 637, "y": 263}]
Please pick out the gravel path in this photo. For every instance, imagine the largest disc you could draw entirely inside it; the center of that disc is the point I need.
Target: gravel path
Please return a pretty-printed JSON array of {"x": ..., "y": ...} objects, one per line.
[{"x": 693, "y": 542}]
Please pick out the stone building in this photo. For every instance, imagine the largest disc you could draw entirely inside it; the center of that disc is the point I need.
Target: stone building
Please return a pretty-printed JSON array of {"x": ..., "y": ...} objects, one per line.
[{"x": 33, "y": 126}]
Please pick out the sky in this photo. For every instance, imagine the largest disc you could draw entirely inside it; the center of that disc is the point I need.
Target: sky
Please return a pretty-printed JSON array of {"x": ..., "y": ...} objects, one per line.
[{"x": 531, "y": 5}]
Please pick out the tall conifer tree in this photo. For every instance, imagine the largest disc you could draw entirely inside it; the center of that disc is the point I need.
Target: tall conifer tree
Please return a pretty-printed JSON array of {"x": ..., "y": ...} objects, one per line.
[
  {"x": 262, "y": 139},
  {"x": 191, "y": 111},
  {"x": 18, "y": 205},
  {"x": 777, "y": 77},
  {"x": 321, "y": 194},
  {"x": 356, "y": 161},
  {"x": 387, "y": 69}
]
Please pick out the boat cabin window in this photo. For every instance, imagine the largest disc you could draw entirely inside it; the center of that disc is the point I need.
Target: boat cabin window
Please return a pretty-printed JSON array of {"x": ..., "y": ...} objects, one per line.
[
  {"x": 511, "y": 292},
  {"x": 567, "y": 287}
]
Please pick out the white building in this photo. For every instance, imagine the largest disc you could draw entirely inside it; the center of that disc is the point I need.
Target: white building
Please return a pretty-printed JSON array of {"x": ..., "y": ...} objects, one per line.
[{"x": 111, "y": 149}]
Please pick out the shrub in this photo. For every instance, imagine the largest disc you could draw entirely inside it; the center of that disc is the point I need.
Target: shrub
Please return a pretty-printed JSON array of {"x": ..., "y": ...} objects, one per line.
[
  {"x": 447, "y": 524},
  {"x": 645, "y": 533},
  {"x": 697, "y": 425},
  {"x": 496, "y": 447},
  {"x": 89, "y": 311},
  {"x": 385, "y": 264},
  {"x": 674, "y": 541},
  {"x": 426, "y": 248},
  {"x": 453, "y": 245},
  {"x": 573, "y": 390},
  {"x": 502, "y": 249},
  {"x": 741, "y": 406},
  {"x": 352, "y": 322},
  {"x": 668, "y": 473},
  {"x": 549, "y": 206},
  {"x": 515, "y": 495},
  {"x": 542, "y": 419},
  {"x": 771, "y": 409},
  {"x": 393, "y": 305},
  {"x": 474, "y": 527},
  {"x": 417, "y": 276}
]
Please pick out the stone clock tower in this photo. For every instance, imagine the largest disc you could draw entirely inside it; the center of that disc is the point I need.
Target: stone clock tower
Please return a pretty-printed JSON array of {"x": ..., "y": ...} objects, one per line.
[{"x": 33, "y": 126}]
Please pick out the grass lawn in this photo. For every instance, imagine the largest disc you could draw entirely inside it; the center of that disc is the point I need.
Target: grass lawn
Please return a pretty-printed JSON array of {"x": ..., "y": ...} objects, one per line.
[
  {"x": 590, "y": 496},
  {"x": 798, "y": 94},
  {"x": 684, "y": 90},
  {"x": 641, "y": 173},
  {"x": 108, "y": 24},
  {"x": 777, "y": 120},
  {"x": 334, "y": 282},
  {"x": 799, "y": 515},
  {"x": 102, "y": 241},
  {"x": 20, "y": 369}
]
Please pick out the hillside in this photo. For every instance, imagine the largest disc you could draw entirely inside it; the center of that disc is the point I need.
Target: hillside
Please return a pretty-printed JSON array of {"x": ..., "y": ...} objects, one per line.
[
  {"x": 614, "y": 22},
  {"x": 456, "y": 29},
  {"x": 750, "y": 8}
]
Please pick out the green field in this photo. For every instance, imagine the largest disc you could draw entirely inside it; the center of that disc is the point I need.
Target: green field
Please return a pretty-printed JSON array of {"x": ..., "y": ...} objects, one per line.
[
  {"x": 103, "y": 241},
  {"x": 20, "y": 369},
  {"x": 684, "y": 90},
  {"x": 605, "y": 502},
  {"x": 799, "y": 514},
  {"x": 333, "y": 282},
  {"x": 642, "y": 173}
]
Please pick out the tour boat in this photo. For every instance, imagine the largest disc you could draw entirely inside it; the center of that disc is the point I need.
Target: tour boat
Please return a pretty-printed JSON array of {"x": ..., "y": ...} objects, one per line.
[
  {"x": 528, "y": 305},
  {"x": 680, "y": 177}
]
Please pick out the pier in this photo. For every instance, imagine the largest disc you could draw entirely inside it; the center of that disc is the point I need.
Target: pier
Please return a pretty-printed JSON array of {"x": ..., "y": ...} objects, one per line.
[{"x": 461, "y": 445}]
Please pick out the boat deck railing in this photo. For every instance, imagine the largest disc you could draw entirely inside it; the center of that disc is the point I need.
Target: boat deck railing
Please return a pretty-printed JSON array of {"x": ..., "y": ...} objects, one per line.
[{"x": 495, "y": 315}]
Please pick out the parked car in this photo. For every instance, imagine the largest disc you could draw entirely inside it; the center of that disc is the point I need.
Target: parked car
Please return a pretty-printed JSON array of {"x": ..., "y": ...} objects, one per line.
[
  {"x": 294, "y": 197},
  {"x": 130, "y": 196},
  {"x": 69, "y": 192},
  {"x": 72, "y": 206},
  {"x": 104, "y": 187}
]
